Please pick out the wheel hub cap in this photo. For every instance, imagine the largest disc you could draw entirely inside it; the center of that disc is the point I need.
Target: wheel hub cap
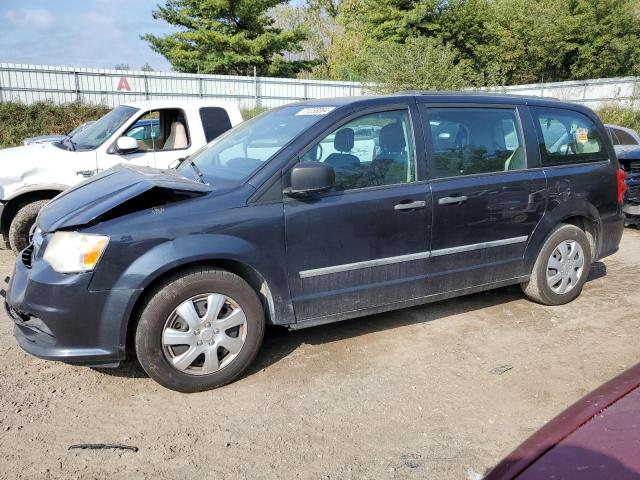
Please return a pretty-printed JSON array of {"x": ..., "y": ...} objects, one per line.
[
  {"x": 565, "y": 267},
  {"x": 204, "y": 334}
]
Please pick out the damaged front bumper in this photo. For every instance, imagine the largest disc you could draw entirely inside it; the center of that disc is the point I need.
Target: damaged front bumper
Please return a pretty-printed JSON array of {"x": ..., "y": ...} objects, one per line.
[{"x": 57, "y": 317}]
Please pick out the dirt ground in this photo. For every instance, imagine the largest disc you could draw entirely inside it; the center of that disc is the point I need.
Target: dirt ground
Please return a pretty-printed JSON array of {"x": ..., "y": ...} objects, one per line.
[{"x": 406, "y": 394}]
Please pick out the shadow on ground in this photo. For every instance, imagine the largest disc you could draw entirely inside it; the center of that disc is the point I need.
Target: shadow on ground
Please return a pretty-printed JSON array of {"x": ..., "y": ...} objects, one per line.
[{"x": 280, "y": 342}]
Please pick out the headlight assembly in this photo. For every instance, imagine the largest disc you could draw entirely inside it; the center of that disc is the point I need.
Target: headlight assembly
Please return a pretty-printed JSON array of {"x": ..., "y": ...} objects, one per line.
[{"x": 72, "y": 252}]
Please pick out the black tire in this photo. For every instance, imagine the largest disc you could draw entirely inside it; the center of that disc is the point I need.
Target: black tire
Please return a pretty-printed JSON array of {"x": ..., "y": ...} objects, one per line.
[
  {"x": 22, "y": 223},
  {"x": 166, "y": 298},
  {"x": 537, "y": 288}
]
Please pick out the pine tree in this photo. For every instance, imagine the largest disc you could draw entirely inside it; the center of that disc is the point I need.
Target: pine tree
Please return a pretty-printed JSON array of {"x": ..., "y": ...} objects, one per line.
[{"x": 226, "y": 37}]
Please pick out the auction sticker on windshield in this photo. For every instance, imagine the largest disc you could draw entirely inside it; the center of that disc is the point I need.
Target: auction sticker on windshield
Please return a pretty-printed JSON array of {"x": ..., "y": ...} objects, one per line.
[{"x": 315, "y": 111}]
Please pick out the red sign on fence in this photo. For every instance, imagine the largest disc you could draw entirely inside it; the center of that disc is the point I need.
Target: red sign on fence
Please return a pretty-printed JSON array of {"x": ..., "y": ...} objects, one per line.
[{"x": 123, "y": 84}]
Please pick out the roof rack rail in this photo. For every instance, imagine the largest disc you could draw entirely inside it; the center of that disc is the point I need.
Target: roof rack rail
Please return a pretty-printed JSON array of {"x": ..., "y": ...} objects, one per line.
[{"x": 470, "y": 93}]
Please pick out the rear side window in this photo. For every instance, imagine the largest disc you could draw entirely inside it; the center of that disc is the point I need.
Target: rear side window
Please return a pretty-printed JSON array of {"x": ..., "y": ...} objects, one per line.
[
  {"x": 568, "y": 137},
  {"x": 469, "y": 141},
  {"x": 623, "y": 137},
  {"x": 215, "y": 121}
]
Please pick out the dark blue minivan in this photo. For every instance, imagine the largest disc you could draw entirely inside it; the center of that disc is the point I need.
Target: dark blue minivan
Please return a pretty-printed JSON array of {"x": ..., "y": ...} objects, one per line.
[{"x": 312, "y": 213}]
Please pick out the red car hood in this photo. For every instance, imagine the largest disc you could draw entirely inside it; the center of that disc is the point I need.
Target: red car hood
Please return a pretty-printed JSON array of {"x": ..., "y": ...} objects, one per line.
[{"x": 596, "y": 438}]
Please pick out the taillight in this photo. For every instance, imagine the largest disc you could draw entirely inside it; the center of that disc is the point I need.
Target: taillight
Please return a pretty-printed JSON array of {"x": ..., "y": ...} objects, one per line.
[{"x": 622, "y": 185}]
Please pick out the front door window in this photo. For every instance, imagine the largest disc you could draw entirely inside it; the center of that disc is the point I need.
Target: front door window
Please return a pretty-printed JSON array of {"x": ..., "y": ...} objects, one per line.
[{"x": 370, "y": 151}]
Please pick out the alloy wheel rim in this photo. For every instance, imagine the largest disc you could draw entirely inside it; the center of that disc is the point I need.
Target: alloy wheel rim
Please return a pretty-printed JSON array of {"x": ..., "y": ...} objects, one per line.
[
  {"x": 204, "y": 334},
  {"x": 565, "y": 267}
]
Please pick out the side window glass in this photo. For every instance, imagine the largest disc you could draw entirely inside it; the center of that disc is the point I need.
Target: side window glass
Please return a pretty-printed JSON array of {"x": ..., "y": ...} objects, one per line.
[
  {"x": 174, "y": 130},
  {"x": 568, "y": 137},
  {"x": 215, "y": 121},
  {"x": 613, "y": 136},
  {"x": 160, "y": 130},
  {"x": 469, "y": 141},
  {"x": 146, "y": 131},
  {"x": 624, "y": 138},
  {"x": 372, "y": 150}
]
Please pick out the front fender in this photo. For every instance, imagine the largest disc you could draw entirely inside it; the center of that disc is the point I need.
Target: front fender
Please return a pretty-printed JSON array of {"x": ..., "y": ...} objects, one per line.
[
  {"x": 37, "y": 187},
  {"x": 173, "y": 254}
]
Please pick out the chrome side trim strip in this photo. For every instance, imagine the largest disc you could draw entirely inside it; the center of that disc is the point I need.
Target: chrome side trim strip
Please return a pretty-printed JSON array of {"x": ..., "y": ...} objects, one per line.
[
  {"x": 368, "y": 263},
  {"x": 407, "y": 258},
  {"x": 478, "y": 246}
]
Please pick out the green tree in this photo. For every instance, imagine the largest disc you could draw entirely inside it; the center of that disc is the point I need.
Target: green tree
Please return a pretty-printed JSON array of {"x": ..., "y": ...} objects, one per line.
[
  {"x": 226, "y": 37},
  {"x": 420, "y": 63},
  {"x": 317, "y": 19},
  {"x": 506, "y": 41},
  {"x": 529, "y": 42},
  {"x": 607, "y": 38}
]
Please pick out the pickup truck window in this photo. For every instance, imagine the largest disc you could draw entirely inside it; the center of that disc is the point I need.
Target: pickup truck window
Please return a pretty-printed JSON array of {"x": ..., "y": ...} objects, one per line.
[
  {"x": 469, "y": 141},
  {"x": 567, "y": 137},
  {"x": 239, "y": 152},
  {"x": 147, "y": 132},
  {"x": 161, "y": 130},
  {"x": 97, "y": 133},
  {"x": 215, "y": 122}
]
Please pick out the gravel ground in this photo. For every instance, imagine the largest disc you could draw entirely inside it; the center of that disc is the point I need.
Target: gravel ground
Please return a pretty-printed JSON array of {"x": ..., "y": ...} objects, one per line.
[{"x": 406, "y": 394}]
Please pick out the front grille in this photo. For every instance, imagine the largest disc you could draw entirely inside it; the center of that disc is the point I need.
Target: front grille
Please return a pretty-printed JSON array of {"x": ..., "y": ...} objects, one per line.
[
  {"x": 634, "y": 167},
  {"x": 27, "y": 255}
]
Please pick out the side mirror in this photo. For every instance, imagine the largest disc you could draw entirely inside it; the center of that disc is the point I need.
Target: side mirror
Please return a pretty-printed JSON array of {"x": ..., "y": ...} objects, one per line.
[
  {"x": 308, "y": 178},
  {"x": 126, "y": 145}
]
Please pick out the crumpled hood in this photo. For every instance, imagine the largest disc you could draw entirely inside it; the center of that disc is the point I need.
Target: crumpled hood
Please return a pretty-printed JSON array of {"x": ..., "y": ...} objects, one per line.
[{"x": 124, "y": 187}]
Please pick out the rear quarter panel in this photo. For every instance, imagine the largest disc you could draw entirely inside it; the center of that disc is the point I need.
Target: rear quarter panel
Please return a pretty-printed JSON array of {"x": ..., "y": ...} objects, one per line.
[{"x": 586, "y": 190}]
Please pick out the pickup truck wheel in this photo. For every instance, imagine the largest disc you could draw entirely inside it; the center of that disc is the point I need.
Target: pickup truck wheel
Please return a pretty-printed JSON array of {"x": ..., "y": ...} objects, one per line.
[
  {"x": 22, "y": 223},
  {"x": 200, "y": 330},
  {"x": 562, "y": 267}
]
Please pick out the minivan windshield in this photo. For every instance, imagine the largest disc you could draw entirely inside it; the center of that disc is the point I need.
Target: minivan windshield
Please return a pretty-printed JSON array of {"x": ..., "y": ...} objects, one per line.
[
  {"x": 97, "y": 133},
  {"x": 242, "y": 150}
]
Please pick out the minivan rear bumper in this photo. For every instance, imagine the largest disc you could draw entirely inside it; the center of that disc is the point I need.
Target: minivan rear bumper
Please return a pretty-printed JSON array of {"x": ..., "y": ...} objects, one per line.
[
  {"x": 57, "y": 317},
  {"x": 611, "y": 234}
]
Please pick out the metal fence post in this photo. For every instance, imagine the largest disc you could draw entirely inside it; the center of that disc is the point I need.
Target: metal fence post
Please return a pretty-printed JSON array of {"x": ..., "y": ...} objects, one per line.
[
  {"x": 77, "y": 84},
  {"x": 146, "y": 86},
  {"x": 201, "y": 87},
  {"x": 256, "y": 88}
]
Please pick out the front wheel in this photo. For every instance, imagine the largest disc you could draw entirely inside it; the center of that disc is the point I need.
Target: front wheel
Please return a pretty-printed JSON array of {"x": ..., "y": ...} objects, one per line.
[
  {"x": 562, "y": 267},
  {"x": 200, "y": 330},
  {"x": 21, "y": 225}
]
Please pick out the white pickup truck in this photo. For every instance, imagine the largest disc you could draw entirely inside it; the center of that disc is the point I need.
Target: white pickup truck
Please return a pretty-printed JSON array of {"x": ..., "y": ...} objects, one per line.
[{"x": 151, "y": 133}]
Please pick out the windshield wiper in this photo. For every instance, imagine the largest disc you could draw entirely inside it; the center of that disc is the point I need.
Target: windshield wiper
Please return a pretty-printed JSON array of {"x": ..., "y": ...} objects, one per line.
[{"x": 195, "y": 169}]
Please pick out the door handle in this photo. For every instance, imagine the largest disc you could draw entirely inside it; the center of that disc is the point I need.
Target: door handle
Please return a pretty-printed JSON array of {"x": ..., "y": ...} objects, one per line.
[
  {"x": 410, "y": 205},
  {"x": 452, "y": 200}
]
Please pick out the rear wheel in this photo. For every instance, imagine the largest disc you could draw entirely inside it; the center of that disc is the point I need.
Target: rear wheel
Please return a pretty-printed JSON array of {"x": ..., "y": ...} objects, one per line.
[
  {"x": 562, "y": 267},
  {"x": 200, "y": 330},
  {"x": 21, "y": 225}
]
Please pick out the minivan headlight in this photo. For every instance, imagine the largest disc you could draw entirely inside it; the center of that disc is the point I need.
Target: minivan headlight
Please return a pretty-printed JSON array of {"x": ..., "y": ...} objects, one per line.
[{"x": 71, "y": 252}]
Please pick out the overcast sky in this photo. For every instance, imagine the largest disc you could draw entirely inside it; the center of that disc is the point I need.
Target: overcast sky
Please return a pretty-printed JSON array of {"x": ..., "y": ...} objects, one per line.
[{"x": 83, "y": 33}]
